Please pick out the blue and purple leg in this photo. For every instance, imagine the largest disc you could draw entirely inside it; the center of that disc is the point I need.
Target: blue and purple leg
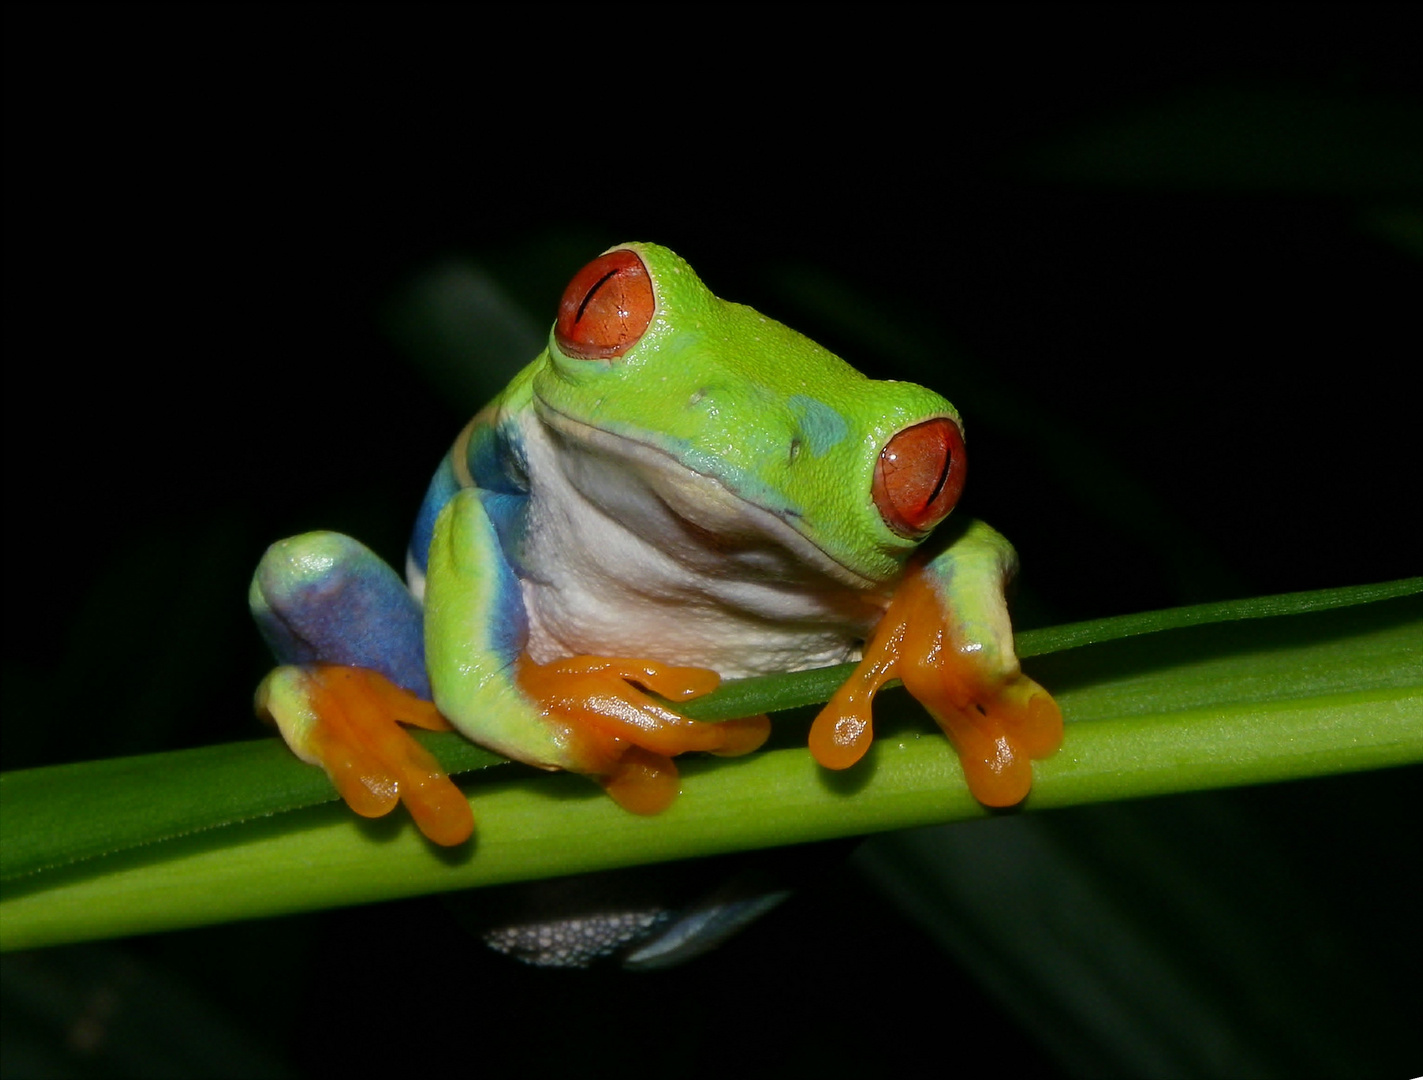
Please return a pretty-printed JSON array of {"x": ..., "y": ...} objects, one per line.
[{"x": 349, "y": 639}]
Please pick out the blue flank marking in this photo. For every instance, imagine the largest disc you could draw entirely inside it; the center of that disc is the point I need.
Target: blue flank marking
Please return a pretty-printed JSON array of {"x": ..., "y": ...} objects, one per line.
[
  {"x": 504, "y": 502},
  {"x": 506, "y": 513},
  {"x": 443, "y": 487},
  {"x": 821, "y": 426},
  {"x": 487, "y": 454},
  {"x": 490, "y": 451},
  {"x": 508, "y": 624}
]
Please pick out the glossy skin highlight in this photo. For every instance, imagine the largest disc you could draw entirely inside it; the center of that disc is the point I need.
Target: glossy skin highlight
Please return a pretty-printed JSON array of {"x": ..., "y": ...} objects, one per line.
[{"x": 678, "y": 489}]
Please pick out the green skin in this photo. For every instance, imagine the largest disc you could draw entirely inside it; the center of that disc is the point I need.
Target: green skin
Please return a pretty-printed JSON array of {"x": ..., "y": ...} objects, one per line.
[
  {"x": 704, "y": 500},
  {"x": 746, "y": 429}
]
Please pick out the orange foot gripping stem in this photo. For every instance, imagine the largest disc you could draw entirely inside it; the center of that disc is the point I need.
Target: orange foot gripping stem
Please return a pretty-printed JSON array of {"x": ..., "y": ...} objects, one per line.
[
  {"x": 345, "y": 720},
  {"x": 997, "y": 723},
  {"x": 622, "y": 737}
]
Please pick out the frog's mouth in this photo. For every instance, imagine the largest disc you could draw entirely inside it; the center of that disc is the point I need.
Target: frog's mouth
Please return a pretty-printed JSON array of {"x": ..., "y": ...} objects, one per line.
[{"x": 699, "y": 517}]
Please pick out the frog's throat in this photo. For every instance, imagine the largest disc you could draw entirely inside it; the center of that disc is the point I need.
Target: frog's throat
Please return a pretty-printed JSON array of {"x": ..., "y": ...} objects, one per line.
[{"x": 686, "y": 492}]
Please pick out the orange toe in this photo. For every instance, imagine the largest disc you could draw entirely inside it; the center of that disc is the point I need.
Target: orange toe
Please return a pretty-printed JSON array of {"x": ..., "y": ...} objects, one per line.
[
  {"x": 620, "y": 734},
  {"x": 997, "y": 724},
  {"x": 642, "y": 782},
  {"x": 372, "y": 760}
]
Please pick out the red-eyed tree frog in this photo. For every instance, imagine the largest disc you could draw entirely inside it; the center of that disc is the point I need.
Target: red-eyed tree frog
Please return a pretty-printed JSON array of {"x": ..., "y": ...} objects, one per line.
[{"x": 676, "y": 490}]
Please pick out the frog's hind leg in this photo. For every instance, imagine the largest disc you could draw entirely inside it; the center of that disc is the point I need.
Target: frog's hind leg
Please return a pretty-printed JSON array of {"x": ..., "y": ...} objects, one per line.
[{"x": 349, "y": 638}]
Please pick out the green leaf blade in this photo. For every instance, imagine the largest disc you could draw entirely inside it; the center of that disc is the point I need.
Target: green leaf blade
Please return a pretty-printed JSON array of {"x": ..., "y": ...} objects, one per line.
[
  {"x": 62, "y": 814},
  {"x": 1203, "y": 706}
]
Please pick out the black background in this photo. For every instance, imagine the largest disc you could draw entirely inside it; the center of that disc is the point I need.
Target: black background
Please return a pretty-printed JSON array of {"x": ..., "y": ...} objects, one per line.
[{"x": 1167, "y": 265}]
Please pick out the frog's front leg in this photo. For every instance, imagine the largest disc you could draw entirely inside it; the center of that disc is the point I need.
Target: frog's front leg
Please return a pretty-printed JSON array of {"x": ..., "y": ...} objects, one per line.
[
  {"x": 584, "y": 713},
  {"x": 348, "y": 636},
  {"x": 947, "y": 637}
]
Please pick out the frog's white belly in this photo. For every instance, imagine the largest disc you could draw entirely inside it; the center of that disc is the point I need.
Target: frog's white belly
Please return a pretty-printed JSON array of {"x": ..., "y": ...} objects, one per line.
[{"x": 637, "y": 556}]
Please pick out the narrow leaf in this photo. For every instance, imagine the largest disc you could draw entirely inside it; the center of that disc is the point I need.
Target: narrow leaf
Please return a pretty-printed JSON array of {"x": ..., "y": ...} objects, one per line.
[{"x": 1335, "y": 690}]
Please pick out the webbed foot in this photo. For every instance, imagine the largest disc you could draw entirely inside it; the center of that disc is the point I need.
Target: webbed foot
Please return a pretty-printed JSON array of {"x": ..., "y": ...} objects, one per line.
[
  {"x": 622, "y": 737},
  {"x": 347, "y": 720},
  {"x": 997, "y": 718}
]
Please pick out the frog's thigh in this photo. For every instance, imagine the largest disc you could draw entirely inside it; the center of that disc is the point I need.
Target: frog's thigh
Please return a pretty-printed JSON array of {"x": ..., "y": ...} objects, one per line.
[{"x": 325, "y": 598}]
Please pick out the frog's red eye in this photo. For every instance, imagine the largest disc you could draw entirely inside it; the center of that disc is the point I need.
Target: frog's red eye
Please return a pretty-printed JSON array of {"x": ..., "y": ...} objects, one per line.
[
  {"x": 919, "y": 476},
  {"x": 606, "y": 307}
]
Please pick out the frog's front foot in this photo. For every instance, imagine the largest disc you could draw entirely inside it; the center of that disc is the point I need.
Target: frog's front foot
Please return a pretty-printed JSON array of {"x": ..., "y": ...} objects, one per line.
[
  {"x": 620, "y": 736},
  {"x": 347, "y": 720},
  {"x": 997, "y": 727},
  {"x": 997, "y": 718}
]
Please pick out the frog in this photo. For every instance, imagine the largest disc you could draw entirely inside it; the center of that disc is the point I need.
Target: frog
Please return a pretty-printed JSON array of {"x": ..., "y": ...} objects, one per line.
[{"x": 676, "y": 491}]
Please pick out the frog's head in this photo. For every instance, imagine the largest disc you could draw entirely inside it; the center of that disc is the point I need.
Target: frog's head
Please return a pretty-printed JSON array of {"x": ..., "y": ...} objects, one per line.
[{"x": 744, "y": 429}]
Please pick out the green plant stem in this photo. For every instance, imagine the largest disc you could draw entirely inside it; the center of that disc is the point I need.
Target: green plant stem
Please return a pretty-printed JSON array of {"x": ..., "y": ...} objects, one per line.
[
  {"x": 324, "y": 857},
  {"x": 1237, "y": 703}
]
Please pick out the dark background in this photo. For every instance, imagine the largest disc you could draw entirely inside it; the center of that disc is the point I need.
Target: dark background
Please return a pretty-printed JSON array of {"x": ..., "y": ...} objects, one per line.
[{"x": 1167, "y": 264}]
